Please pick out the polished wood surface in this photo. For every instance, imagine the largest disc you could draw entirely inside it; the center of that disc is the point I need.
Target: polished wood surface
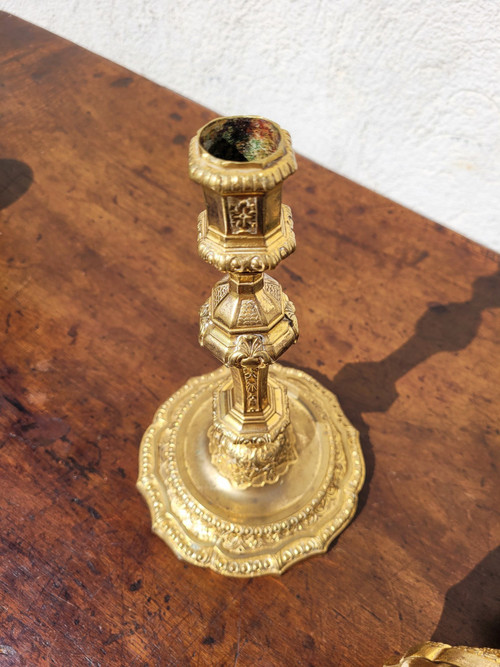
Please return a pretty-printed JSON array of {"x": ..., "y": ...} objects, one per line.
[{"x": 101, "y": 285}]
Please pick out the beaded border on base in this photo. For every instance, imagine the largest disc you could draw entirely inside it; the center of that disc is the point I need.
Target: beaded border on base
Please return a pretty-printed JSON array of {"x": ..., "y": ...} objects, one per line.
[{"x": 227, "y": 547}]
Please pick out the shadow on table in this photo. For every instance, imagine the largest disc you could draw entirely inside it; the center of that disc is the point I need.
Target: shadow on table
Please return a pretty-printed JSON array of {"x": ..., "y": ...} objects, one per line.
[
  {"x": 15, "y": 179},
  {"x": 370, "y": 386},
  {"x": 471, "y": 612}
]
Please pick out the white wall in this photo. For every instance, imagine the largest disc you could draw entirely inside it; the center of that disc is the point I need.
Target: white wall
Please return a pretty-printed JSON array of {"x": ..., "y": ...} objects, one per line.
[{"x": 402, "y": 96}]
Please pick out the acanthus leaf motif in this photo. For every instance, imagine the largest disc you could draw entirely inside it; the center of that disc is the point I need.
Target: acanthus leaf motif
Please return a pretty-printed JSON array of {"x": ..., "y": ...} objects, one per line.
[{"x": 248, "y": 349}]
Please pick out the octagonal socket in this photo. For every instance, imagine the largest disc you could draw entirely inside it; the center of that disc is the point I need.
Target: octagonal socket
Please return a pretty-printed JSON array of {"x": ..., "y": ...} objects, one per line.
[{"x": 241, "y": 163}]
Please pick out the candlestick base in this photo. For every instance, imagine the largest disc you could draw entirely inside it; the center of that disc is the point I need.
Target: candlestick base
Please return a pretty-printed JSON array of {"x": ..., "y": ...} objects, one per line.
[{"x": 257, "y": 530}]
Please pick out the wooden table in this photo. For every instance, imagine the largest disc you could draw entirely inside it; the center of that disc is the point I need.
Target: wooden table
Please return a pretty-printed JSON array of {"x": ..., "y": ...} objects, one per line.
[{"x": 101, "y": 286}]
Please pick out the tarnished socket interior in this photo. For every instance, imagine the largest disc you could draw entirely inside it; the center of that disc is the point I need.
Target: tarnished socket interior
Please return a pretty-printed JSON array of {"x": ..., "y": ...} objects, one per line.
[{"x": 240, "y": 139}]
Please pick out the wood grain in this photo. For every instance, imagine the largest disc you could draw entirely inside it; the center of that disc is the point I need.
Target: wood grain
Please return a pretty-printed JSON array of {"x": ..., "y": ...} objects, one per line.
[{"x": 100, "y": 295}]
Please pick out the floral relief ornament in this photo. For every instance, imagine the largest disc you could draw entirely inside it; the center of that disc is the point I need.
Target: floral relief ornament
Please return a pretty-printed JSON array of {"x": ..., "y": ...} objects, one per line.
[{"x": 243, "y": 215}]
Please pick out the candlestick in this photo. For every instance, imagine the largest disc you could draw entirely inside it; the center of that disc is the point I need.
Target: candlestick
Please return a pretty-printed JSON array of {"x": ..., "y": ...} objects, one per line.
[{"x": 252, "y": 467}]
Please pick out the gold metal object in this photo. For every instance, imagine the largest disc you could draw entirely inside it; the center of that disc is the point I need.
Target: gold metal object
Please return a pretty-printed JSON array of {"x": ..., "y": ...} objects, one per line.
[
  {"x": 433, "y": 653},
  {"x": 253, "y": 467}
]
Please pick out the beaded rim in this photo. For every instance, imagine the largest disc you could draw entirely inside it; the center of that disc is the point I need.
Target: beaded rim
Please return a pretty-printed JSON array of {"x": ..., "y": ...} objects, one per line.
[{"x": 256, "y": 176}]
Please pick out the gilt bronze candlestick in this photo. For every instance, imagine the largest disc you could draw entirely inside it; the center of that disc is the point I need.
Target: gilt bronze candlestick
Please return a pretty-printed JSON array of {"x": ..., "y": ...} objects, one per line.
[{"x": 253, "y": 467}]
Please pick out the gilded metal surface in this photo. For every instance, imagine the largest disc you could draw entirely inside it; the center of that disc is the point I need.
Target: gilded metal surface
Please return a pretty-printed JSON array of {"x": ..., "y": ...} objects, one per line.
[
  {"x": 258, "y": 530},
  {"x": 261, "y": 174},
  {"x": 254, "y": 467},
  {"x": 248, "y": 322},
  {"x": 433, "y": 653},
  {"x": 227, "y": 256}
]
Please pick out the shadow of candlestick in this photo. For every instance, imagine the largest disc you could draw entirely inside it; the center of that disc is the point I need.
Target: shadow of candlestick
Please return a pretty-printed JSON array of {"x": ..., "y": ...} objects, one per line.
[
  {"x": 471, "y": 611},
  {"x": 370, "y": 386},
  {"x": 15, "y": 179}
]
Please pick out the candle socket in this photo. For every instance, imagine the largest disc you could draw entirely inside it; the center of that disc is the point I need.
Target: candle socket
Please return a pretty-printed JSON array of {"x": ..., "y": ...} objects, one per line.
[{"x": 248, "y": 469}]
